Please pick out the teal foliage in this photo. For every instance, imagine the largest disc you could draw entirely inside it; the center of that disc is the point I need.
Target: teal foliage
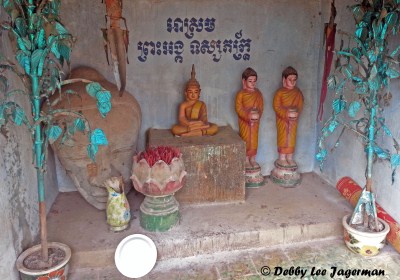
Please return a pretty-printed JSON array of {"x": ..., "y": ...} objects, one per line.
[
  {"x": 395, "y": 160},
  {"x": 53, "y": 133},
  {"x": 103, "y": 102},
  {"x": 18, "y": 115},
  {"x": 93, "y": 88},
  {"x": 354, "y": 107},
  {"x": 339, "y": 105},
  {"x": 362, "y": 75},
  {"x": 43, "y": 47},
  {"x": 98, "y": 137},
  {"x": 79, "y": 124}
]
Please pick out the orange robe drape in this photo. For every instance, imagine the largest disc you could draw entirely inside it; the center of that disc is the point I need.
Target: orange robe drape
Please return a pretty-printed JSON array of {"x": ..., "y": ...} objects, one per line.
[
  {"x": 245, "y": 101},
  {"x": 286, "y": 130}
]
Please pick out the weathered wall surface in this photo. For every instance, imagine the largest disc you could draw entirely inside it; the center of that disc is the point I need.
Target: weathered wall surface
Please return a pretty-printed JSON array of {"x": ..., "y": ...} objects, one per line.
[
  {"x": 19, "y": 218},
  {"x": 349, "y": 159},
  {"x": 282, "y": 33}
]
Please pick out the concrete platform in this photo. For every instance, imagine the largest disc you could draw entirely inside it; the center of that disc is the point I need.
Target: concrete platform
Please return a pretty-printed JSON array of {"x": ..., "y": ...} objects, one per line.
[{"x": 270, "y": 216}]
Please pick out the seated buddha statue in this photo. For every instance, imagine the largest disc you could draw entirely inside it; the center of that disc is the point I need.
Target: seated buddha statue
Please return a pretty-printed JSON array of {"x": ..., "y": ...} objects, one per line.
[{"x": 193, "y": 113}]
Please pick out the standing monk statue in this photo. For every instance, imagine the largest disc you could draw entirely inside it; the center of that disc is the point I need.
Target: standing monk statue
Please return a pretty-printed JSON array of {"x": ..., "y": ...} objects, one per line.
[
  {"x": 193, "y": 113},
  {"x": 288, "y": 104},
  {"x": 249, "y": 106}
]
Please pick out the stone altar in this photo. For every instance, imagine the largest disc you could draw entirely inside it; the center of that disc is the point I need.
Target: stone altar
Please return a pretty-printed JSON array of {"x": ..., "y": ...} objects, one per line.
[{"x": 214, "y": 164}]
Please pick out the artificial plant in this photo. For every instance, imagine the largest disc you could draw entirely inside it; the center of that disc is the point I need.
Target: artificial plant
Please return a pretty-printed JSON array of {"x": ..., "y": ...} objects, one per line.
[
  {"x": 42, "y": 47},
  {"x": 364, "y": 67}
]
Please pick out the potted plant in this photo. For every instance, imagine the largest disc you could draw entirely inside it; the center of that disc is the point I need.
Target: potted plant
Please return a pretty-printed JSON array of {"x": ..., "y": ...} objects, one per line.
[
  {"x": 158, "y": 173},
  {"x": 43, "y": 46},
  {"x": 363, "y": 70}
]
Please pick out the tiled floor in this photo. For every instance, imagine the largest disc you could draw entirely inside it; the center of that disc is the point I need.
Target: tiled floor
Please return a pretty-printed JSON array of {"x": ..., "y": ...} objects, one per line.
[{"x": 250, "y": 264}]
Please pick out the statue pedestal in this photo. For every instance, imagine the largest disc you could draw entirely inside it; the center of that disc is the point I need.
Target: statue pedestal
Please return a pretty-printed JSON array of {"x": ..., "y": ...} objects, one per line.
[
  {"x": 285, "y": 176},
  {"x": 253, "y": 177},
  {"x": 159, "y": 213},
  {"x": 214, "y": 164}
]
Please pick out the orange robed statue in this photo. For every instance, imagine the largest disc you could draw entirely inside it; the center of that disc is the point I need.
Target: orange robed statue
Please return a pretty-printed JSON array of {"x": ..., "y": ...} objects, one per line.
[
  {"x": 249, "y": 106},
  {"x": 193, "y": 113},
  {"x": 288, "y": 104}
]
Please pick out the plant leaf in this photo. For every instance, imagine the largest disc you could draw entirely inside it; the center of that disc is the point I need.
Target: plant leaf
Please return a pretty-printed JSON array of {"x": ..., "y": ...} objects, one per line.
[
  {"x": 338, "y": 105},
  {"x": 42, "y": 61},
  {"x": 395, "y": 160},
  {"x": 353, "y": 109},
  {"x": 24, "y": 44},
  {"x": 374, "y": 83},
  {"x": 18, "y": 115},
  {"x": 332, "y": 125},
  {"x": 358, "y": 12},
  {"x": 53, "y": 133},
  {"x": 347, "y": 71},
  {"x": 381, "y": 153},
  {"x": 93, "y": 88},
  {"x": 392, "y": 73},
  {"x": 24, "y": 60},
  {"x": 104, "y": 107},
  {"x": 80, "y": 124},
  {"x": 41, "y": 38},
  {"x": 35, "y": 58},
  {"x": 61, "y": 29},
  {"x": 20, "y": 26},
  {"x": 2, "y": 118},
  {"x": 98, "y": 137},
  {"x": 92, "y": 151},
  {"x": 65, "y": 51},
  {"x": 361, "y": 88},
  {"x": 54, "y": 49}
]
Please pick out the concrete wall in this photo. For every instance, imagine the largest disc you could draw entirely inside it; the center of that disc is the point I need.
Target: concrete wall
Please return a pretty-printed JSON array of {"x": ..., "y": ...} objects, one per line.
[
  {"x": 282, "y": 33},
  {"x": 349, "y": 158},
  {"x": 19, "y": 218}
]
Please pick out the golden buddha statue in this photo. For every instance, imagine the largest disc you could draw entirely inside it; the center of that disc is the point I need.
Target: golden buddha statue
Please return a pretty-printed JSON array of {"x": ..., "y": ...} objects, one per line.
[{"x": 193, "y": 113}]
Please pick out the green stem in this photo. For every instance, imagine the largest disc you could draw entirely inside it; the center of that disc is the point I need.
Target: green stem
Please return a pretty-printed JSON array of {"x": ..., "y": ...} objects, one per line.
[
  {"x": 371, "y": 138},
  {"x": 38, "y": 142}
]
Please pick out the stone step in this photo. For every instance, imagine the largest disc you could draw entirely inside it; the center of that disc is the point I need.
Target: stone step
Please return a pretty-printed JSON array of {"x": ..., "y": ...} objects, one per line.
[
  {"x": 251, "y": 264},
  {"x": 271, "y": 215}
]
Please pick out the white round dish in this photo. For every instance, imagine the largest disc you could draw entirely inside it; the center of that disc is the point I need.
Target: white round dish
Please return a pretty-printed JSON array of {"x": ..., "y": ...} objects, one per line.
[{"x": 135, "y": 255}]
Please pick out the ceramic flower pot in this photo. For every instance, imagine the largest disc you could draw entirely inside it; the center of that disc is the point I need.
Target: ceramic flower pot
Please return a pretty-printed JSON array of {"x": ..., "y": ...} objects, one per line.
[
  {"x": 159, "y": 210},
  {"x": 56, "y": 251},
  {"x": 367, "y": 244}
]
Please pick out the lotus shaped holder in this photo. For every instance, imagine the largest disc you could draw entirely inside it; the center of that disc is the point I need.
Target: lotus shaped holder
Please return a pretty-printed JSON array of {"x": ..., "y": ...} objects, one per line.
[{"x": 161, "y": 179}]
